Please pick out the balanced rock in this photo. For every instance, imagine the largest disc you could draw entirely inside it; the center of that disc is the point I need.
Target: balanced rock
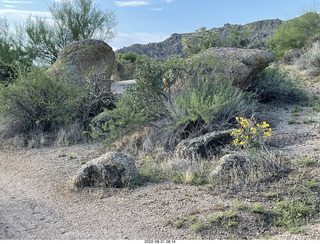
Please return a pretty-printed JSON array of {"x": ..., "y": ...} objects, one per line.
[
  {"x": 84, "y": 59},
  {"x": 242, "y": 64},
  {"x": 205, "y": 146},
  {"x": 112, "y": 169}
]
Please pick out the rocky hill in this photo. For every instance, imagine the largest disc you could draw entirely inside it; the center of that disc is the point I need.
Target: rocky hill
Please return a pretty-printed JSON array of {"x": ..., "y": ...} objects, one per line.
[{"x": 260, "y": 32}]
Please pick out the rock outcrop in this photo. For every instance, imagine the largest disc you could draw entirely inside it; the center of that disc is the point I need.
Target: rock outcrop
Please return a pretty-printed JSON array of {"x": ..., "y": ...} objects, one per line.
[
  {"x": 86, "y": 58},
  {"x": 112, "y": 169},
  {"x": 204, "y": 146},
  {"x": 243, "y": 64}
]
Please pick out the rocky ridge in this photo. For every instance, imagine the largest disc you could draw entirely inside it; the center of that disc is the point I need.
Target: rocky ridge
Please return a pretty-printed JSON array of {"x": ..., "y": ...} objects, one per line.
[{"x": 172, "y": 46}]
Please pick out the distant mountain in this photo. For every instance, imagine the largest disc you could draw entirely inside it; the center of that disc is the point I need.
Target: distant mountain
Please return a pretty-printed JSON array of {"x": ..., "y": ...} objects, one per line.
[{"x": 260, "y": 32}]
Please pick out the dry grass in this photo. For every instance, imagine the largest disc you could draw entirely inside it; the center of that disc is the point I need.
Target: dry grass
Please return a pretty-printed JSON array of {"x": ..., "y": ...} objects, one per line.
[{"x": 250, "y": 168}]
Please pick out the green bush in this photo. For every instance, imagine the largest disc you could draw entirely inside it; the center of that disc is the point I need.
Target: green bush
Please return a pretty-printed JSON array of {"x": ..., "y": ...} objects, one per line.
[
  {"x": 273, "y": 83},
  {"x": 295, "y": 33},
  {"x": 37, "y": 102}
]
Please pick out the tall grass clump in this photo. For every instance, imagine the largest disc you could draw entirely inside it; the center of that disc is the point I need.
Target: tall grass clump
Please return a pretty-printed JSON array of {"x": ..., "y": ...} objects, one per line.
[{"x": 274, "y": 84}]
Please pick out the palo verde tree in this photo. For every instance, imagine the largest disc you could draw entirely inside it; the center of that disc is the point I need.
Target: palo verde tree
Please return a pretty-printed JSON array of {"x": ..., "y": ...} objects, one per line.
[
  {"x": 72, "y": 21},
  {"x": 295, "y": 33},
  {"x": 201, "y": 40}
]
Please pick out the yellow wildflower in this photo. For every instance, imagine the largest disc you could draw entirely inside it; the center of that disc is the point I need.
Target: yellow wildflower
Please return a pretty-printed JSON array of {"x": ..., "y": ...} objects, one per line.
[{"x": 148, "y": 157}]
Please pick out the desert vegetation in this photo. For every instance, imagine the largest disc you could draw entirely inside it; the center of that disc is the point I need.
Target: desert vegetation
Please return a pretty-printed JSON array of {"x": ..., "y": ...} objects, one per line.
[{"x": 151, "y": 118}]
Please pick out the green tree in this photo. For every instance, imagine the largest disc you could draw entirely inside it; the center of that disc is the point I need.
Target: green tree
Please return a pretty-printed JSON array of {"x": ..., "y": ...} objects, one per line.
[
  {"x": 72, "y": 21},
  {"x": 239, "y": 38},
  {"x": 12, "y": 50},
  {"x": 201, "y": 40},
  {"x": 295, "y": 33}
]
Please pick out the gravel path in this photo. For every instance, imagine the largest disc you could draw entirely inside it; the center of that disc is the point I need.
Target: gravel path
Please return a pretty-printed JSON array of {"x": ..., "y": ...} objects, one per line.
[
  {"x": 36, "y": 201},
  {"x": 120, "y": 87}
]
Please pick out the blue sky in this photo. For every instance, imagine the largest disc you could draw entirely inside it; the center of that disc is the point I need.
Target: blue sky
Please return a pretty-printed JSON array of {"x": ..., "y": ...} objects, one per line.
[{"x": 144, "y": 21}]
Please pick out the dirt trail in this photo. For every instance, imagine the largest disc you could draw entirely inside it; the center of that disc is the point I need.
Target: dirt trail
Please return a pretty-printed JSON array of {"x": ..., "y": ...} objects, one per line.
[{"x": 36, "y": 201}]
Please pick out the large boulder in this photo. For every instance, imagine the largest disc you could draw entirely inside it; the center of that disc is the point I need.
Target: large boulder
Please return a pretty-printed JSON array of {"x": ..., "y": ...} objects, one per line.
[
  {"x": 204, "y": 146},
  {"x": 84, "y": 59},
  {"x": 243, "y": 64},
  {"x": 112, "y": 169}
]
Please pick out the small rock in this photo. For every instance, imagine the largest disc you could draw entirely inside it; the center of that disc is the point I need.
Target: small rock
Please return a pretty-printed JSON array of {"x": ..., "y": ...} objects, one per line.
[
  {"x": 205, "y": 146},
  {"x": 112, "y": 169}
]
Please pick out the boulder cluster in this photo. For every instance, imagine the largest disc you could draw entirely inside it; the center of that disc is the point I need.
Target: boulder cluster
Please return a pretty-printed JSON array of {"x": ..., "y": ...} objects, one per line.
[{"x": 87, "y": 60}]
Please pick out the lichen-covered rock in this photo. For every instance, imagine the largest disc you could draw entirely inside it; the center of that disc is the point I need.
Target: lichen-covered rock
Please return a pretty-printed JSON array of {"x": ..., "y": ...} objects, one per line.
[
  {"x": 91, "y": 58},
  {"x": 205, "y": 146},
  {"x": 291, "y": 55},
  {"x": 243, "y": 64},
  {"x": 229, "y": 163},
  {"x": 112, "y": 169}
]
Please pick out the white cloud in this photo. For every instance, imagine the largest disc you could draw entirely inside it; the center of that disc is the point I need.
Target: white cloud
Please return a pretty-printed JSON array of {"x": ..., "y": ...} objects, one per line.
[
  {"x": 59, "y": 1},
  {"x": 131, "y": 3},
  {"x": 9, "y": 6},
  {"x": 169, "y": 1},
  {"x": 20, "y": 15},
  {"x": 9, "y": 1},
  {"x": 157, "y": 9},
  {"x": 125, "y": 39}
]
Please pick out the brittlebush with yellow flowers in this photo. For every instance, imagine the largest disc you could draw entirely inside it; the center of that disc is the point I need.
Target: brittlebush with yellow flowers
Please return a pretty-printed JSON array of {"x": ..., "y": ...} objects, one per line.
[{"x": 250, "y": 134}]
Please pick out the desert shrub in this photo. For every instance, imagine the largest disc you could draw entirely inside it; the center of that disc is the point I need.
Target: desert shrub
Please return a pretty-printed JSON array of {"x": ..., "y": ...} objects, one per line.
[
  {"x": 132, "y": 57},
  {"x": 37, "y": 102},
  {"x": 273, "y": 83},
  {"x": 310, "y": 61},
  {"x": 207, "y": 101},
  {"x": 124, "y": 70},
  {"x": 140, "y": 103},
  {"x": 295, "y": 33},
  {"x": 126, "y": 65},
  {"x": 239, "y": 37}
]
